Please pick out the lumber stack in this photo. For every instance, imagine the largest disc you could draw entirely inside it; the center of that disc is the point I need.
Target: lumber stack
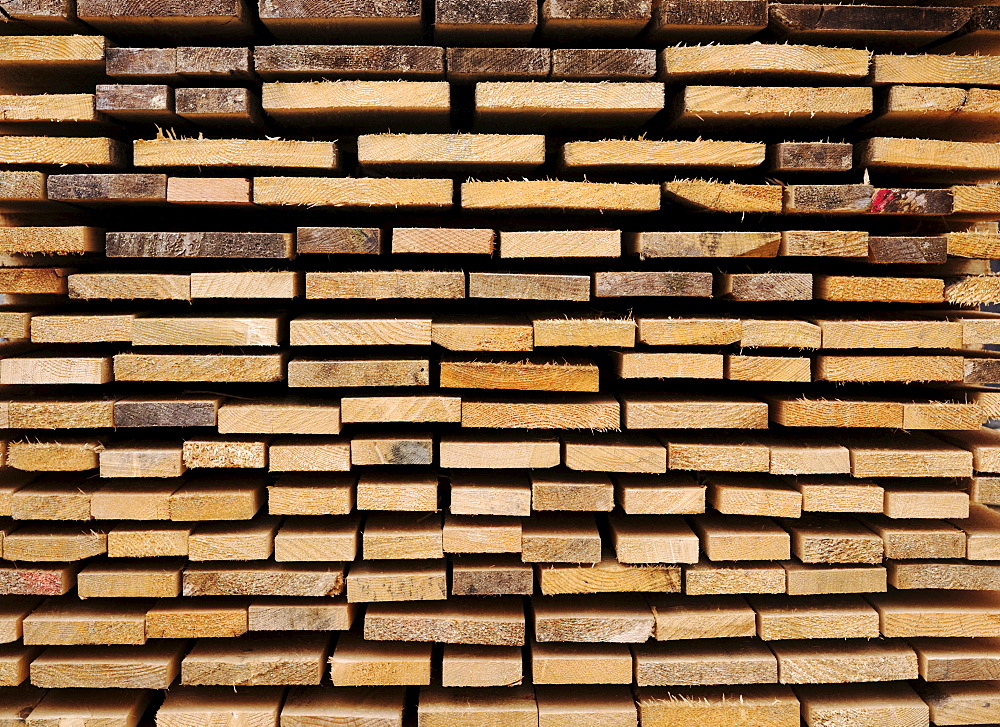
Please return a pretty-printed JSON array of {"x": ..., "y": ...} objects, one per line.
[{"x": 493, "y": 362}]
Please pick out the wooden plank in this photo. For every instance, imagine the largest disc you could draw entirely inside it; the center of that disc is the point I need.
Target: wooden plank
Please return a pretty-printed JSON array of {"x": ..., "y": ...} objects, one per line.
[
  {"x": 681, "y": 617},
  {"x": 704, "y": 662},
  {"x": 214, "y": 20},
  {"x": 943, "y": 660},
  {"x": 75, "y": 622},
  {"x": 772, "y": 705},
  {"x": 689, "y": 331},
  {"x": 539, "y": 195},
  {"x": 686, "y": 412},
  {"x": 183, "y": 706},
  {"x": 256, "y": 659},
  {"x": 904, "y": 25},
  {"x": 813, "y": 617},
  {"x": 381, "y": 706},
  {"x": 601, "y": 618},
  {"x": 202, "y": 191},
  {"x": 938, "y": 614},
  {"x": 614, "y": 453},
  {"x": 45, "y": 108},
  {"x": 583, "y": 331},
  {"x": 317, "y": 539},
  {"x": 582, "y": 64},
  {"x": 358, "y": 61},
  {"x": 54, "y": 370},
  {"x": 211, "y": 61},
  {"x": 580, "y": 663},
  {"x": 360, "y": 331},
  {"x": 792, "y": 411},
  {"x": 879, "y": 289},
  {"x": 122, "y": 708},
  {"x": 807, "y": 580},
  {"x": 708, "y": 196},
  {"x": 705, "y": 244},
  {"x": 799, "y": 662},
  {"x": 493, "y": 575},
  {"x": 151, "y": 540},
  {"x": 686, "y": 63},
  {"x": 195, "y": 367},
  {"x": 385, "y": 284},
  {"x": 814, "y": 156},
  {"x": 954, "y": 158},
  {"x": 359, "y": 663},
  {"x": 913, "y": 455},
  {"x": 710, "y": 451},
  {"x": 283, "y": 284},
  {"x": 461, "y": 620},
  {"x": 313, "y": 454},
  {"x": 64, "y": 414},
  {"x": 878, "y": 702},
  {"x": 351, "y": 101},
  {"x": 461, "y": 241},
  {"x": 839, "y": 494},
  {"x": 639, "y": 153},
  {"x": 607, "y": 576},
  {"x": 353, "y": 192},
  {"x": 407, "y": 536},
  {"x": 267, "y": 579},
  {"x": 205, "y": 331},
  {"x": 392, "y": 449},
  {"x": 653, "y": 539},
  {"x": 542, "y": 103},
  {"x": 55, "y": 52},
  {"x": 37, "y": 580},
  {"x": 925, "y": 69},
  {"x": 825, "y": 243},
  {"x": 152, "y": 667},
  {"x": 482, "y": 333},
  {"x": 481, "y": 666},
  {"x": 497, "y": 64},
  {"x": 452, "y": 151},
  {"x": 370, "y": 582},
  {"x": 708, "y": 20},
  {"x": 532, "y": 286},
  {"x": 178, "y": 411},
  {"x": 136, "y": 102},
  {"x": 529, "y": 375},
  {"x": 481, "y": 534},
  {"x": 509, "y": 21},
  {"x": 910, "y": 539},
  {"x": 560, "y": 539},
  {"x": 768, "y": 368},
  {"x": 496, "y": 451},
  {"x": 34, "y": 281},
  {"x": 580, "y": 412},
  {"x": 814, "y": 107},
  {"x": 889, "y": 368},
  {"x": 560, "y": 244},
  {"x": 200, "y": 244},
  {"x": 129, "y": 286},
  {"x": 753, "y": 495},
  {"x": 652, "y": 284},
  {"x": 353, "y": 240},
  {"x": 748, "y": 538},
  {"x": 228, "y": 541},
  {"x": 779, "y": 333},
  {"x": 513, "y": 706},
  {"x": 182, "y": 618},
  {"x": 299, "y": 21},
  {"x": 50, "y": 150},
  {"x": 216, "y": 498},
  {"x": 766, "y": 286},
  {"x": 674, "y": 493},
  {"x": 948, "y": 576},
  {"x": 410, "y": 409},
  {"x": 169, "y": 152}
]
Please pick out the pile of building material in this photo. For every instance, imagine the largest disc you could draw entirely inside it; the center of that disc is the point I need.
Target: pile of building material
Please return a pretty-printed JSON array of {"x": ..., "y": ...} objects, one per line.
[{"x": 487, "y": 363}]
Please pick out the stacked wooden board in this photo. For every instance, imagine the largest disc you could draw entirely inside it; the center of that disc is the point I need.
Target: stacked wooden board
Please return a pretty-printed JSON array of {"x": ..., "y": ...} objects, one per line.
[{"x": 479, "y": 363}]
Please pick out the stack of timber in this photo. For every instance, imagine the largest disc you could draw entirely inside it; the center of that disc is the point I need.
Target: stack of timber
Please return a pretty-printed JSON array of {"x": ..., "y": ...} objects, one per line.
[{"x": 499, "y": 363}]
